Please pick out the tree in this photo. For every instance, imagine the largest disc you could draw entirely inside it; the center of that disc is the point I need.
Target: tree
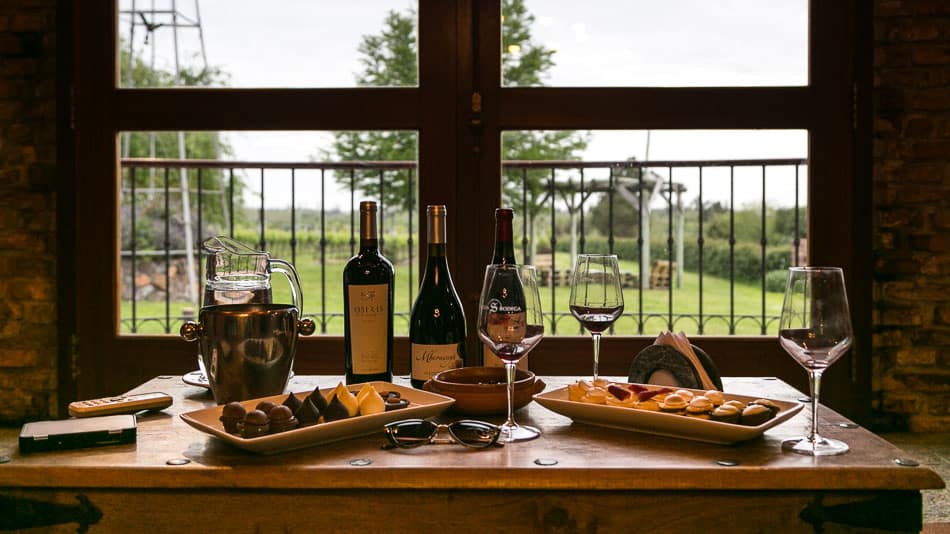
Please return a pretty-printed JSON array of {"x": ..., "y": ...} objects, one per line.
[
  {"x": 150, "y": 183},
  {"x": 389, "y": 58}
]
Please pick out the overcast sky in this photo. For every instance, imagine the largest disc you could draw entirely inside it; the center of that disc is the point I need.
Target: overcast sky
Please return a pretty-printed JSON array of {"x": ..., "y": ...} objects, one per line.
[{"x": 312, "y": 43}]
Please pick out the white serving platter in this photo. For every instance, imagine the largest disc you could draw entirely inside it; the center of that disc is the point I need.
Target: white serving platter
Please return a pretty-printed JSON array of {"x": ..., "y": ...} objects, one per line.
[
  {"x": 661, "y": 423},
  {"x": 422, "y": 404}
]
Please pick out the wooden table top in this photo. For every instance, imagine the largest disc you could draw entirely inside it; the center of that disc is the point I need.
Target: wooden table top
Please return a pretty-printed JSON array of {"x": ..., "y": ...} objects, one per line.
[{"x": 588, "y": 457}]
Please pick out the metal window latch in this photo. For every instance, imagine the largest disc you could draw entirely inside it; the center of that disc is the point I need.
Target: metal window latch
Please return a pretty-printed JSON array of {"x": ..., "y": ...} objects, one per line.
[
  {"x": 476, "y": 109},
  {"x": 20, "y": 513}
]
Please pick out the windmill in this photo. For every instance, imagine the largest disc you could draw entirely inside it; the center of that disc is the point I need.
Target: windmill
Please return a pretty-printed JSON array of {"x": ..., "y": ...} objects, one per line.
[{"x": 155, "y": 20}]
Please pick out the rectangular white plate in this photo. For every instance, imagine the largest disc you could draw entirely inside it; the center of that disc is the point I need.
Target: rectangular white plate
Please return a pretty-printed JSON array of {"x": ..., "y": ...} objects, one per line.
[
  {"x": 663, "y": 424},
  {"x": 422, "y": 404}
]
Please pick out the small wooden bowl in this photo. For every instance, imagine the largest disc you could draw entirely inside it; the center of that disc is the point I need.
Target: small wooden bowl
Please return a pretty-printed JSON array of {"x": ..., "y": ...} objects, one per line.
[{"x": 482, "y": 390}]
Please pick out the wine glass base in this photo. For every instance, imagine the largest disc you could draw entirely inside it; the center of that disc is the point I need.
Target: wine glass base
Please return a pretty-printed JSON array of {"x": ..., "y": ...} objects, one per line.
[
  {"x": 820, "y": 447},
  {"x": 512, "y": 433}
]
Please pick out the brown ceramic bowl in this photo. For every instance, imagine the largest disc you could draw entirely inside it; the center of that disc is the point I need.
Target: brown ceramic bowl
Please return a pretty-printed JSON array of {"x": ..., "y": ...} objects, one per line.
[{"x": 482, "y": 390}]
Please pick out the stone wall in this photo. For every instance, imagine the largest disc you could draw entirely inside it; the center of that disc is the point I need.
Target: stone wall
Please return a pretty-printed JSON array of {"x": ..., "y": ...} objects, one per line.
[
  {"x": 911, "y": 216},
  {"x": 28, "y": 182}
]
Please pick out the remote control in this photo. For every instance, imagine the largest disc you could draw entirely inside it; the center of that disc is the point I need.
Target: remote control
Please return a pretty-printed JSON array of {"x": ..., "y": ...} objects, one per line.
[{"x": 120, "y": 404}]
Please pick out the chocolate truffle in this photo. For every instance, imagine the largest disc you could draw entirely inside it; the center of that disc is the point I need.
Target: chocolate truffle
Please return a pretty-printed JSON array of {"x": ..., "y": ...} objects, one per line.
[
  {"x": 232, "y": 415},
  {"x": 282, "y": 419},
  {"x": 395, "y": 403},
  {"x": 256, "y": 424},
  {"x": 265, "y": 406}
]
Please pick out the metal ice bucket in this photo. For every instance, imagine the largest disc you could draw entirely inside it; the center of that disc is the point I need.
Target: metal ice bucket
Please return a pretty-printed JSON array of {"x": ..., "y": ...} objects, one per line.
[{"x": 247, "y": 349}]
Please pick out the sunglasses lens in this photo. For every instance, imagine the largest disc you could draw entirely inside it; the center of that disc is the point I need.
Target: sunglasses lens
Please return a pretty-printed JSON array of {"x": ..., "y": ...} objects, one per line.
[
  {"x": 411, "y": 433},
  {"x": 474, "y": 433}
]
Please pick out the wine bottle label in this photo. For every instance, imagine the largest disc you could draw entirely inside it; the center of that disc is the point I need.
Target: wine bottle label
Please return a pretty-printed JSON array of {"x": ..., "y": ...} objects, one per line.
[
  {"x": 369, "y": 324},
  {"x": 429, "y": 360}
]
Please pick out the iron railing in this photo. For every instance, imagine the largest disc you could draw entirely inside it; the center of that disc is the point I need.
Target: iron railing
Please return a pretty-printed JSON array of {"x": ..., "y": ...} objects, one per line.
[{"x": 569, "y": 189}]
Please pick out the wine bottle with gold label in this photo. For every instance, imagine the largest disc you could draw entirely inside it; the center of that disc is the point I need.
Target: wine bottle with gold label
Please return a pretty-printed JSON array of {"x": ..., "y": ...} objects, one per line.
[
  {"x": 437, "y": 322},
  {"x": 368, "y": 307}
]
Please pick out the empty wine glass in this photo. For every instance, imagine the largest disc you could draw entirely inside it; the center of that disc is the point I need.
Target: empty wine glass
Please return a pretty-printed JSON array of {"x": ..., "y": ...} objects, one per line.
[
  {"x": 596, "y": 295},
  {"x": 815, "y": 329},
  {"x": 510, "y": 324}
]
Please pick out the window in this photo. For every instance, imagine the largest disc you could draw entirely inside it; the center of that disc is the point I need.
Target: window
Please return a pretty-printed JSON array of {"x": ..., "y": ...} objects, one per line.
[{"x": 461, "y": 109}]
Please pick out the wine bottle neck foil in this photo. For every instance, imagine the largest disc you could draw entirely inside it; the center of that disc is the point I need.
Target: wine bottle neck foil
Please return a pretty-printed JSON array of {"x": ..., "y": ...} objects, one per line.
[
  {"x": 504, "y": 245},
  {"x": 367, "y": 221},
  {"x": 436, "y": 226}
]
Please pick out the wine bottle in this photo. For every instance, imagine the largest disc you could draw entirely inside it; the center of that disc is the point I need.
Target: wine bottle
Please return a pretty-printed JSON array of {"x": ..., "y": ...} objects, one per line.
[
  {"x": 368, "y": 307},
  {"x": 437, "y": 321},
  {"x": 504, "y": 253}
]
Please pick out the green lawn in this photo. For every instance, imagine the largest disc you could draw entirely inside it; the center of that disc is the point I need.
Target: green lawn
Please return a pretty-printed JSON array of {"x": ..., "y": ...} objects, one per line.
[{"x": 323, "y": 305}]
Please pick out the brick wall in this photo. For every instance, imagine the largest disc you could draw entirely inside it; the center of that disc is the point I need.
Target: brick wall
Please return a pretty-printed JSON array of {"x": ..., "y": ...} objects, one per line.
[
  {"x": 911, "y": 218},
  {"x": 27, "y": 210}
]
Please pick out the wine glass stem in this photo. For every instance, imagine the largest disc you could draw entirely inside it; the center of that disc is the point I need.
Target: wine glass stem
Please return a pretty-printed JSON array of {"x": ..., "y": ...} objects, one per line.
[
  {"x": 814, "y": 385},
  {"x": 510, "y": 368},
  {"x": 596, "y": 337}
]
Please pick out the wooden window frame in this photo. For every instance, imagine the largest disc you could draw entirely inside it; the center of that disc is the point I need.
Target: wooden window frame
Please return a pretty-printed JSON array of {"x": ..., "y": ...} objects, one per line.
[{"x": 457, "y": 39}]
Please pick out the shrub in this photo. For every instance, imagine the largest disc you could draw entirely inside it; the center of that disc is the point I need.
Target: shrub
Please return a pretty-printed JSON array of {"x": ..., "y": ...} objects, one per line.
[
  {"x": 747, "y": 257},
  {"x": 775, "y": 280}
]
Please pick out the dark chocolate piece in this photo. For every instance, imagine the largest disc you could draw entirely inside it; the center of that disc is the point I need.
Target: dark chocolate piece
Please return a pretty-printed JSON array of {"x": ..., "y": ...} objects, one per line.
[
  {"x": 335, "y": 410},
  {"x": 292, "y": 402},
  {"x": 755, "y": 415},
  {"x": 318, "y": 400},
  {"x": 307, "y": 414},
  {"x": 396, "y": 403}
]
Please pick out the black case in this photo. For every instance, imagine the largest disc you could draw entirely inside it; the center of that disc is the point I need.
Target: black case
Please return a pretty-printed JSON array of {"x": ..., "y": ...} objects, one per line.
[{"x": 77, "y": 433}]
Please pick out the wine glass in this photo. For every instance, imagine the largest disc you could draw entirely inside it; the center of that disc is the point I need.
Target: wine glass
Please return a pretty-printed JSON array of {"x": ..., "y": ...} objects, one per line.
[
  {"x": 596, "y": 296},
  {"x": 510, "y": 324},
  {"x": 815, "y": 329}
]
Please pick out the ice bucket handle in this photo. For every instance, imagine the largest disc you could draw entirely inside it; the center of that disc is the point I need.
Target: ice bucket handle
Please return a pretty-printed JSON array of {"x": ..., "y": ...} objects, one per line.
[{"x": 191, "y": 331}]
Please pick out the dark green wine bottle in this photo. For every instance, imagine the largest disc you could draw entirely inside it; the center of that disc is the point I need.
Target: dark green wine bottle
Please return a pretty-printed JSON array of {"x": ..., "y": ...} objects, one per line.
[
  {"x": 504, "y": 253},
  {"x": 368, "y": 307},
  {"x": 437, "y": 322}
]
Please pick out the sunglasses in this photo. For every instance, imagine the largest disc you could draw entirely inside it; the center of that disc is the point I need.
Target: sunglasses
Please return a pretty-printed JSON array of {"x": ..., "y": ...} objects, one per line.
[{"x": 415, "y": 432}]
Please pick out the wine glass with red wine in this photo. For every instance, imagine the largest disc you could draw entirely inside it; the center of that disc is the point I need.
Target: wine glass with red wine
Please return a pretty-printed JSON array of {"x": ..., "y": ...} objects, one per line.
[
  {"x": 510, "y": 323},
  {"x": 596, "y": 295},
  {"x": 815, "y": 329}
]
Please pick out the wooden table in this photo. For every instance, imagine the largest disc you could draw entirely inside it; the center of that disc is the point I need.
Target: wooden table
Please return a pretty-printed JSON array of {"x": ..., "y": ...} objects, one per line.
[{"x": 603, "y": 480}]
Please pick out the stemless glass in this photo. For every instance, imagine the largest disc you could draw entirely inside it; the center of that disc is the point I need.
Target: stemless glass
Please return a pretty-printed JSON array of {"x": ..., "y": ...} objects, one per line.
[
  {"x": 510, "y": 323},
  {"x": 815, "y": 329},
  {"x": 596, "y": 295}
]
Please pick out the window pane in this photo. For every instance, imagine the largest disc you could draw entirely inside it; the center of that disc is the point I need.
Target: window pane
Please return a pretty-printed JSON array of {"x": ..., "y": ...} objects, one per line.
[
  {"x": 700, "y": 260},
  {"x": 294, "y": 194},
  {"x": 248, "y": 43},
  {"x": 645, "y": 43}
]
